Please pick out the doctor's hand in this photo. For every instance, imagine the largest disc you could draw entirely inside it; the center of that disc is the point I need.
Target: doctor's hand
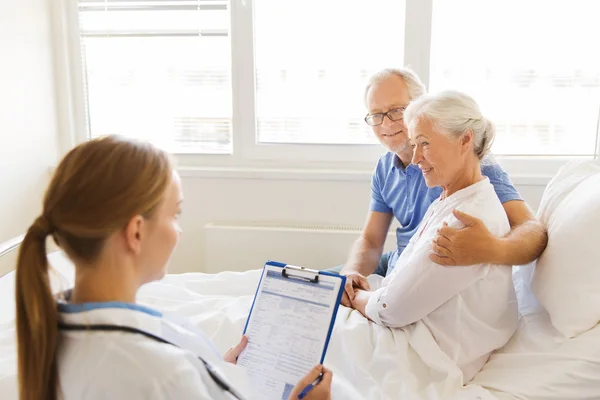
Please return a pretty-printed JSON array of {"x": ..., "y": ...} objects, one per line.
[
  {"x": 320, "y": 391},
  {"x": 234, "y": 352},
  {"x": 354, "y": 280}
]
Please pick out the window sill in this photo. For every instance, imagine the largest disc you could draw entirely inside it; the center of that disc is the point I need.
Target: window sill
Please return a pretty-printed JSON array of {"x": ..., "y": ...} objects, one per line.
[
  {"x": 275, "y": 174},
  {"x": 319, "y": 175}
]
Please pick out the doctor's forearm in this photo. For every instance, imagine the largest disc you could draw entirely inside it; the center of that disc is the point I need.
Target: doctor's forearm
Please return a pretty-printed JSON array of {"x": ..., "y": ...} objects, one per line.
[{"x": 522, "y": 245}]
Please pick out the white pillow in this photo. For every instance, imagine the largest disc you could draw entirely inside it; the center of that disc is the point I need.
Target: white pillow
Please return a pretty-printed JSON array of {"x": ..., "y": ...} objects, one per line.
[{"x": 567, "y": 275}]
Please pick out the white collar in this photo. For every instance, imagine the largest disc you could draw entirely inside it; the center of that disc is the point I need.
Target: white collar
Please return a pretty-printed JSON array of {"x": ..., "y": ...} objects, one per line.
[{"x": 464, "y": 193}]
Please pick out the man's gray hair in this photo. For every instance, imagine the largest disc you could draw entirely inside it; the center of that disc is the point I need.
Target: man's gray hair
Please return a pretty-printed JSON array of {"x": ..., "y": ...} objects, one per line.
[
  {"x": 454, "y": 113},
  {"x": 414, "y": 84}
]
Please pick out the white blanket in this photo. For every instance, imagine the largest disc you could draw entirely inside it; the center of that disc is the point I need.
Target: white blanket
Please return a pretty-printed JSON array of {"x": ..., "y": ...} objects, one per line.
[{"x": 368, "y": 361}]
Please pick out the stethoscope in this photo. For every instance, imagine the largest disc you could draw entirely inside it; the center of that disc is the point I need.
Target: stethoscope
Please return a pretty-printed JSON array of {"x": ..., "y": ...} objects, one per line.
[{"x": 220, "y": 381}]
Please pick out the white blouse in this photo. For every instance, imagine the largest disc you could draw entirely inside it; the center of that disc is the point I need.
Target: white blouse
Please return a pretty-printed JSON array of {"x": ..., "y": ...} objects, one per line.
[{"x": 470, "y": 311}]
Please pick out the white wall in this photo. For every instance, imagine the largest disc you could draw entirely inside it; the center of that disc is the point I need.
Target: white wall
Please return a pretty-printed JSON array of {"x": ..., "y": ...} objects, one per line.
[
  {"x": 30, "y": 144},
  {"x": 28, "y": 132},
  {"x": 275, "y": 200}
]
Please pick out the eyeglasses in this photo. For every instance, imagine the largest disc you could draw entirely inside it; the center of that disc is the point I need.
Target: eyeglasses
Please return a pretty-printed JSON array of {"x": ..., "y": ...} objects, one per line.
[{"x": 395, "y": 114}]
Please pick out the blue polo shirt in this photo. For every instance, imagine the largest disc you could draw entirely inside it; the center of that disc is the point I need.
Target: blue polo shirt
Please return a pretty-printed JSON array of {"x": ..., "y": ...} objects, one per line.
[{"x": 403, "y": 192}]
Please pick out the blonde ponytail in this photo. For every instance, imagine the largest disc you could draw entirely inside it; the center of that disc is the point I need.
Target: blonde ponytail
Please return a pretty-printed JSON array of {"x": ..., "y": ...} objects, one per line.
[{"x": 37, "y": 318}]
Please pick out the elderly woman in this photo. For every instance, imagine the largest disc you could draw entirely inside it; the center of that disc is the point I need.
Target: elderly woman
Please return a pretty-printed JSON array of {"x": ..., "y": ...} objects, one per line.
[{"x": 470, "y": 311}]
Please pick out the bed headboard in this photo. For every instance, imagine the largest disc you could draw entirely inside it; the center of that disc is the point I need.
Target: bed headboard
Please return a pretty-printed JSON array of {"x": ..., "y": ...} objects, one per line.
[
  {"x": 62, "y": 278},
  {"x": 7, "y": 254},
  {"x": 10, "y": 245}
]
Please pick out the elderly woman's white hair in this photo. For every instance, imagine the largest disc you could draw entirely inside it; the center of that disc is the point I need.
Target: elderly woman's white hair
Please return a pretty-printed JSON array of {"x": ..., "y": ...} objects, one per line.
[
  {"x": 454, "y": 113},
  {"x": 413, "y": 83}
]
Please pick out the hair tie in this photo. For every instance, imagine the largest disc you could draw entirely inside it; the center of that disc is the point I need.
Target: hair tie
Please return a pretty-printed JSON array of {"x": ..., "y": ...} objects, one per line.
[{"x": 42, "y": 227}]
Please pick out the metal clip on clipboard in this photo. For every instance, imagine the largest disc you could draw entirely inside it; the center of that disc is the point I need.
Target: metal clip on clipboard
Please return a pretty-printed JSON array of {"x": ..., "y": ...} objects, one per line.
[{"x": 293, "y": 272}]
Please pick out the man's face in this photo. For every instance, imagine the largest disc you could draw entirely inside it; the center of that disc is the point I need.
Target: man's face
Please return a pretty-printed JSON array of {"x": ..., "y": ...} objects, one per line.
[{"x": 390, "y": 93}]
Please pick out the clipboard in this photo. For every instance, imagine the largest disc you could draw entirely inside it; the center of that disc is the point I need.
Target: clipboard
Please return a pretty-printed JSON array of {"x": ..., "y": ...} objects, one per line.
[{"x": 291, "y": 318}]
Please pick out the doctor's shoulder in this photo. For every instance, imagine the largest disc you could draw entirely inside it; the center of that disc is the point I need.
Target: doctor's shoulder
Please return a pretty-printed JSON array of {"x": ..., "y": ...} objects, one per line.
[{"x": 130, "y": 368}]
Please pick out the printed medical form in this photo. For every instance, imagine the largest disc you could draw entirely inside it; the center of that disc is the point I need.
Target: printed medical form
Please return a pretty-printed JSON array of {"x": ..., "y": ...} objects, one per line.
[{"x": 287, "y": 330}]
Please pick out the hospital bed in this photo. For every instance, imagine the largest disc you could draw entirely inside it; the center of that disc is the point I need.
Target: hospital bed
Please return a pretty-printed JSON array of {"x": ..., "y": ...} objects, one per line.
[{"x": 555, "y": 353}]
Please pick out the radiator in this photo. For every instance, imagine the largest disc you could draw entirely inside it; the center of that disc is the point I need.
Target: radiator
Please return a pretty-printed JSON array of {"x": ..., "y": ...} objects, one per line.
[{"x": 246, "y": 246}]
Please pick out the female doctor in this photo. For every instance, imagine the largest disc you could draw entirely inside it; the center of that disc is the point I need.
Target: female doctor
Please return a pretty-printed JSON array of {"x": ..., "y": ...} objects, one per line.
[{"x": 112, "y": 206}]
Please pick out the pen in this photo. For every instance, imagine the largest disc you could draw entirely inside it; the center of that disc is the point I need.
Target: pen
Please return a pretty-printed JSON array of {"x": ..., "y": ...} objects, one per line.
[{"x": 307, "y": 389}]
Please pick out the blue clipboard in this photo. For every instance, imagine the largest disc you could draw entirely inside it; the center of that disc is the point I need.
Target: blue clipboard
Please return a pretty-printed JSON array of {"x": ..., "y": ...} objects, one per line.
[{"x": 284, "y": 267}]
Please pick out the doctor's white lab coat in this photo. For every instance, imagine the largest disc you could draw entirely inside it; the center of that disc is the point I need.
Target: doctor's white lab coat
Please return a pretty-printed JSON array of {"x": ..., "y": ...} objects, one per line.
[{"x": 99, "y": 365}]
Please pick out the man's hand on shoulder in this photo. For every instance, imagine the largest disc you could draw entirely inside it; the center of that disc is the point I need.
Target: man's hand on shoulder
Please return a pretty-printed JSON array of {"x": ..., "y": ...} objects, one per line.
[{"x": 470, "y": 245}]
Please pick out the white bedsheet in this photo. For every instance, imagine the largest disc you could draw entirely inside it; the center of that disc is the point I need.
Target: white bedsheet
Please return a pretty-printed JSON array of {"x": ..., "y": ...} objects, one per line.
[
  {"x": 539, "y": 363},
  {"x": 369, "y": 361}
]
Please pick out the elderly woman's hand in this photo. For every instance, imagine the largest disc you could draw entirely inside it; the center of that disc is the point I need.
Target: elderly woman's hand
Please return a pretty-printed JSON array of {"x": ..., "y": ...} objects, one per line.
[{"x": 361, "y": 298}]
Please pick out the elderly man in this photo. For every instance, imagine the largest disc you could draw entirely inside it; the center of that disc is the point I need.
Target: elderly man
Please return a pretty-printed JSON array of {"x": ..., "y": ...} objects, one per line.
[{"x": 399, "y": 190}]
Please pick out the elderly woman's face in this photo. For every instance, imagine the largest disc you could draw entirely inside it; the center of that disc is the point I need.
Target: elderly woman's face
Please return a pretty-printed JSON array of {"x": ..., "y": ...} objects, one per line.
[{"x": 439, "y": 156}]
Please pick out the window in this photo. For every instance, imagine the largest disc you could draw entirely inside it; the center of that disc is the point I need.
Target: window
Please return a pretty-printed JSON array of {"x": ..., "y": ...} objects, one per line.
[
  {"x": 313, "y": 59},
  {"x": 162, "y": 70},
  {"x": 533, "y": 66},
  {"x": 286, "y": 82},
  {"x": 159, "y": 71}
]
